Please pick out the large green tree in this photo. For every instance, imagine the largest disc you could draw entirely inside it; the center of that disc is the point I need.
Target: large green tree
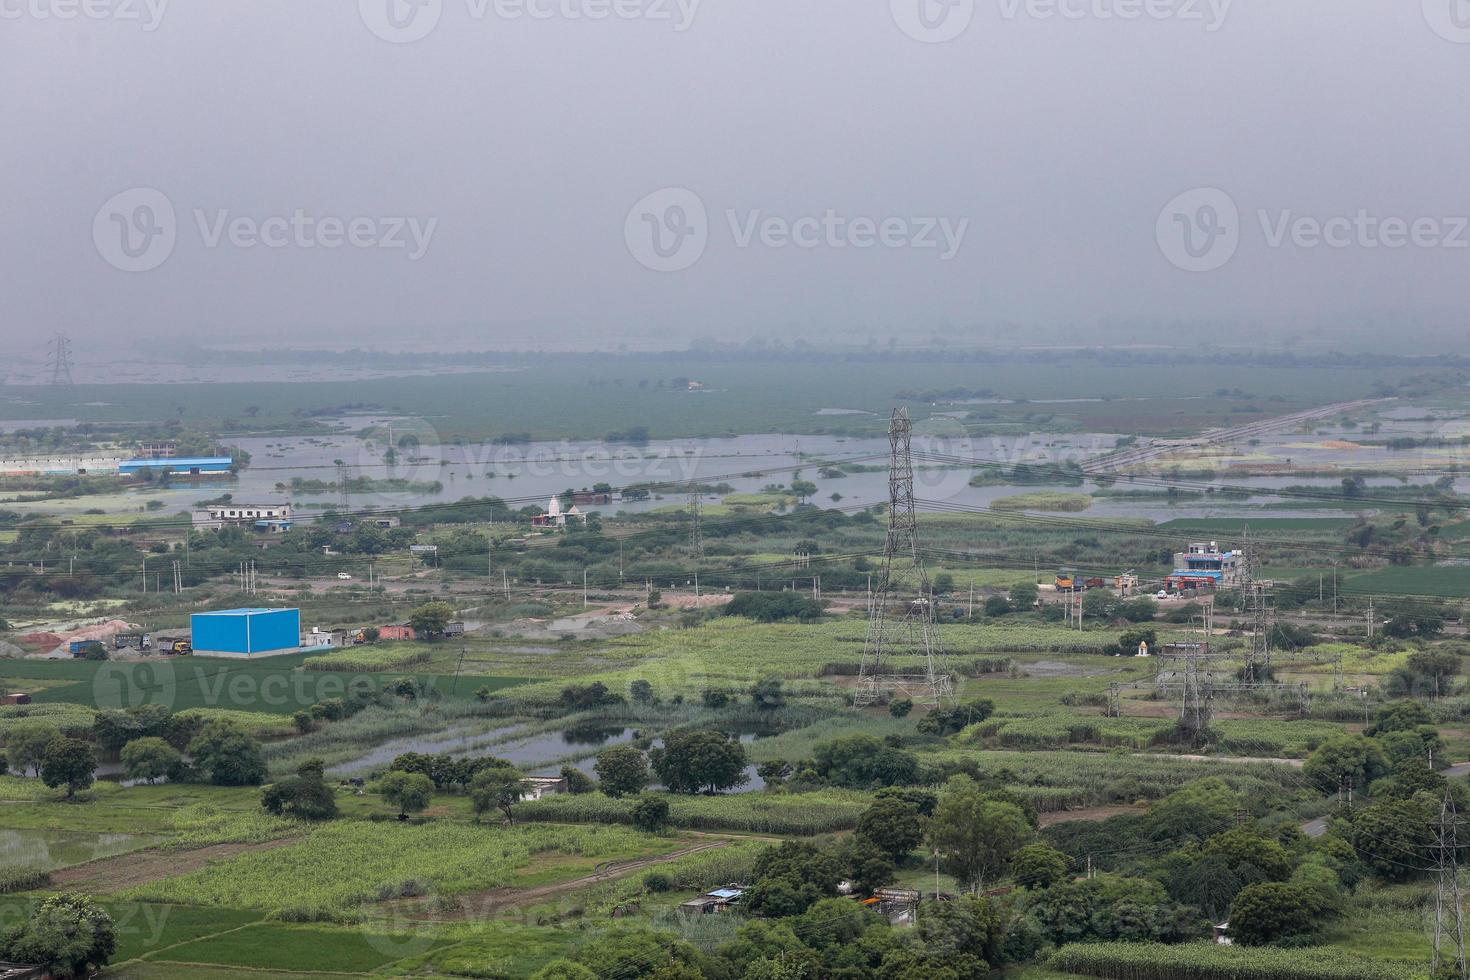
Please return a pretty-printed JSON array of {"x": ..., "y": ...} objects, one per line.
[
  {"x": 976, "y": 837},
  {"x": 892, "y": 826},
  {"x": 150, "y": 759},
  {"x": 1269, "y": 911},
  {"x": 25, "y": 746},
  {"x": 68, "y": 934},
  {"x": 408, "y": 792},
  {"x": 621, "y": 771},
  {"x": 430, "y": 620},
  {"x": 68, "y": 762},
  {"x": 695, "y": 761},
  {"x": 228, "y": 754},
  {"x": 497, "y": 788}
]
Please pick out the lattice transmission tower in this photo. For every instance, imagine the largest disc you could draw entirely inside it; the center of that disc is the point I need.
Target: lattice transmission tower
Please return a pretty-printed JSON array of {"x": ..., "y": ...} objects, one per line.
[
  {"x": 696, "y": 532},
  {"x": 901, "y": 624},
  {"x": 1449, "y": 922},
  {"x": 60, "y": 352}
]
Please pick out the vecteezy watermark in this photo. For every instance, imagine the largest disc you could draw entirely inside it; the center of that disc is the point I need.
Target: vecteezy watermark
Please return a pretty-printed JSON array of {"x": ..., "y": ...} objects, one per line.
[
  {"x": 669, "y": 230},
  {"x": 1200, "y": 230},
  {"x": 1209, "y": 13},
  {"x": 148, "y": 14},
  {"x": 1450, "y": 19},
  {"x": 138, "y": 229},
  {"x": 938, "y": 21},
  {"x": 406, "y": 21},
  {"x": 121, "y": 685},
  {"x": 933, "y": 21}
]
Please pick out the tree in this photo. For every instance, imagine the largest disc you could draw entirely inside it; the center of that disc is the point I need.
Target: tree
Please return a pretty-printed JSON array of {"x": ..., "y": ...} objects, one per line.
[
  {"x": 892, "y": 826},
  {"x": 774, "y": 607},
  {"x": 621, "y": 771},
  {"x": 408, "y": 791},
  {"x": 26, "y": 745},
  {"x": 773, "y": 772},
  {"x": 1100, "y": 604},
  {"x": 1039, "y": 866},
  {"x": 651, "y": 814},
  {"x": 970, "y": 927},
  {"x": 1345, "y": 757},
  {"x": 1437, "y": 669},
  {"x": 947, "y": 721},
  {"x": 498, "y": 788},
  {"x": 976, "y": 837},
  {"x": 766, "y": 695},
  {"x": 1393, "y": 836},
  {"x": 691, "y": 761},
  {"x": 305, "y": 796},
  {"x": 431, "y": 619},
  {"x": 900, "y": 707},
  {"x": 640, "y": 692},
  {"x": 996, "y": 606},
  {"x": 1402, "y": 716},
  {"x": 228, "y": 754},
  {"x": 578, "y": 782},
  {"x": 1268, "y": 911},
  {"x": 864, "y": 762},
  {"x": 68, "y": 934},
  {"x": 150, "y": 759},
  {"x": 68, "y": 762},
  {"x": 1025, "y": 596}
]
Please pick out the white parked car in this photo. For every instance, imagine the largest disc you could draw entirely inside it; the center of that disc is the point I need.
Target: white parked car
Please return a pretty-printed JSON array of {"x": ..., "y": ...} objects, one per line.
[
  {"x": 1161, "y": 594},
  {"x": 343, "y": 575}
]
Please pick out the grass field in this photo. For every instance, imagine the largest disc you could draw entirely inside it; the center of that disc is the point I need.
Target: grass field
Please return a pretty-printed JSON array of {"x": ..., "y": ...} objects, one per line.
[{"x": 342, "y": 865}]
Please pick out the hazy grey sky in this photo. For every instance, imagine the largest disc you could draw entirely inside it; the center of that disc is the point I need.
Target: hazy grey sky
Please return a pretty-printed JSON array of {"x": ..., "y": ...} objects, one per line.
[{"x": 1036, "y": 151}]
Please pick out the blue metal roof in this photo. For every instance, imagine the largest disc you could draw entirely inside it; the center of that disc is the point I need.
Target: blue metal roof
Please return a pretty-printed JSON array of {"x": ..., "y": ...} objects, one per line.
[{"x": 181, "y": 461}]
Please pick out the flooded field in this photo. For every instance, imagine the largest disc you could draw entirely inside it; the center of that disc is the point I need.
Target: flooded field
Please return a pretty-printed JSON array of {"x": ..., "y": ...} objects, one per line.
[
  {"x": 847, "y": 471},
  {"x": 47, "y": 850}
]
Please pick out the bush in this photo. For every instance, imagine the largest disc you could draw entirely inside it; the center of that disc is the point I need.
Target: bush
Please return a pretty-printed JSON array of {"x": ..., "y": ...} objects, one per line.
[
  {"x": 774, "y": 607},
  {"x": 651, "y": 814}
]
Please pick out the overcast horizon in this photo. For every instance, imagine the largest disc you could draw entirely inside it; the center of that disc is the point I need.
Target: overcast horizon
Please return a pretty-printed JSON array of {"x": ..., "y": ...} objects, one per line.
[{"x": 459, "y": 173}]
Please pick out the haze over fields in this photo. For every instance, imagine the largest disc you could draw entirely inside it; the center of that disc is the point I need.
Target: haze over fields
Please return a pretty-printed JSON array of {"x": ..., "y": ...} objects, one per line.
[{"x": 1010, "y": 184}]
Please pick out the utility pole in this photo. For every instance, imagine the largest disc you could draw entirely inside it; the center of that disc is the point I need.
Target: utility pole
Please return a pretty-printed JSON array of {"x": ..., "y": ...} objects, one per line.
[{"x": 584, "y": 588}]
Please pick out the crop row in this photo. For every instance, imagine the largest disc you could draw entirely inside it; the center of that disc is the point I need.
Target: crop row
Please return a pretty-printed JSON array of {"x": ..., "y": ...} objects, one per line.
[{"x": 1208, "y": 961}]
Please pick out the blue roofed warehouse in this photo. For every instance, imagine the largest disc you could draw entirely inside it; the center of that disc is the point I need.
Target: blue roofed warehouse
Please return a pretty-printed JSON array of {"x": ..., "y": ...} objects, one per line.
[
  {"x": 184, "y": 465},
  {"x": 246, "y": 632}
]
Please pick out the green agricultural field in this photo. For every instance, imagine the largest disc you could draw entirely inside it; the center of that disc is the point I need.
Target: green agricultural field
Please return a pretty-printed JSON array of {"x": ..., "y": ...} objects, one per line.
[
  {"x": 301, "y": 948},
  {"x": 1042, "y": 500},
  {"x": 348, "y": 863},
  {"x": 732, "y": 653}
]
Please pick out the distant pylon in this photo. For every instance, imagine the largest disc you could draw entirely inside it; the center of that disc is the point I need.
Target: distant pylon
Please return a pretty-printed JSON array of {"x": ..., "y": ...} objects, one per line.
[
  {"x": 908, "y": 629},
  {"x": 344, "y": 489},
  {"x": 696, "y": 538},
  {"x": 61, "y": 360}
]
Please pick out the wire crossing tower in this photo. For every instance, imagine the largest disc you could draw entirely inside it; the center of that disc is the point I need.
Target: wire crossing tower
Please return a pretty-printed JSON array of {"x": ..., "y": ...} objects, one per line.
[{"x": 901, "y": 619}]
